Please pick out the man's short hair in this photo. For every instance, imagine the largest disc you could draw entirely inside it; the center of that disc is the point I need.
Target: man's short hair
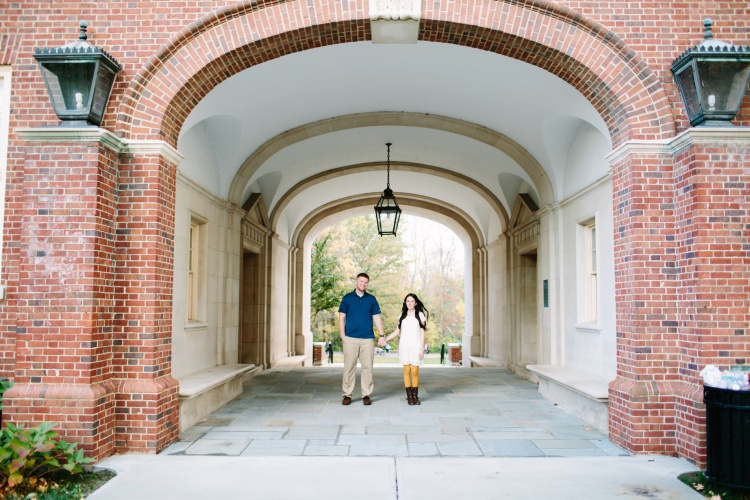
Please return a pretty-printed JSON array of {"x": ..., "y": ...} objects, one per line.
[{"x": 363, "y": 274}]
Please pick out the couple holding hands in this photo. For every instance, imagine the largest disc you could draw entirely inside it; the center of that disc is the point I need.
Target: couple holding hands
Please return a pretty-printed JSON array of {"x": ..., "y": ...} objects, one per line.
[{"x": 358, "y": 312}]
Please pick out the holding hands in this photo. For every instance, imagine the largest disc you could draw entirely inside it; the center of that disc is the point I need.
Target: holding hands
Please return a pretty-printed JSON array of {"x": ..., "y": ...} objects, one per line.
[{"x": 382, "y": 342}]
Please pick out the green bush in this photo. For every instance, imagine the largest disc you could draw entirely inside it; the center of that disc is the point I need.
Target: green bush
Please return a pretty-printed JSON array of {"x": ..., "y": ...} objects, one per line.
[
  {"x": 28, "y": 455},
  {"x": 5, "y": 384}
]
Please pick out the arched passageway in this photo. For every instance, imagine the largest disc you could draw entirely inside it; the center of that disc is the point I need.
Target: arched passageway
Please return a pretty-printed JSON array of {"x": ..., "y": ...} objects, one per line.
[{"x": 550, "y": 143}]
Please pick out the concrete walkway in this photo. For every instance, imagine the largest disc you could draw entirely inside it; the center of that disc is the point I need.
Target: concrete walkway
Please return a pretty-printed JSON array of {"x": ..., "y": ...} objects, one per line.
[{"x": 481, "y": 433}]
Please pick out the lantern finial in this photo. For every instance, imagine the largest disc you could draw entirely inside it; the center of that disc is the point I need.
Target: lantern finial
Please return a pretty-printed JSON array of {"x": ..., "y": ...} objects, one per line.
[{"x": 82, "y": 26}]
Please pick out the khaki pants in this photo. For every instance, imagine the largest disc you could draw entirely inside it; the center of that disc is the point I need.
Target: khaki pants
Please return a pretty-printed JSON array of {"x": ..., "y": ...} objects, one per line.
[{"x": 364, "y": 349}]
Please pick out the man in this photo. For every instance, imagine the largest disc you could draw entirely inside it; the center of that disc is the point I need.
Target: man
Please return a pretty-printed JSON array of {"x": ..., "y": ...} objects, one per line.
[{"x": 357, "y": 313}]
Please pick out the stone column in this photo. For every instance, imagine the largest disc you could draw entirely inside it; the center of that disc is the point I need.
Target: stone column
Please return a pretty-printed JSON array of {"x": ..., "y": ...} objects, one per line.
[{"x": 65, "y": 294}]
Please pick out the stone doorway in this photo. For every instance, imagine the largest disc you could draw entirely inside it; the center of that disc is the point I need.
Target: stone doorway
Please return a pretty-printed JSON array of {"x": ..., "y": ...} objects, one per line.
[{"x": 527, "y": 345}]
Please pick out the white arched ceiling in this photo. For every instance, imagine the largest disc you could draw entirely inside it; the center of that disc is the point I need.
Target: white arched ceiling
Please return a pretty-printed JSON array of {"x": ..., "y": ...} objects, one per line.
[
  {"x": 419, "y": 184},
  {"x": 540, "y": 113}
]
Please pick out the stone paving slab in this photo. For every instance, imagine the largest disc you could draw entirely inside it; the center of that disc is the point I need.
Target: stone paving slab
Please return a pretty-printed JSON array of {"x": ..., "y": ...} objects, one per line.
[
  {"x": 266, "y": 447},
  {"x": 464, "y": 412},
  {"x": 217, "y": 447},
  {"x": 553, "y": 444},
  {"x": 313, "y": 432},
  {"x": 226, "y": 435},
  {"x": 460, "y": 449},
  {"x": 513, "y": 448}
]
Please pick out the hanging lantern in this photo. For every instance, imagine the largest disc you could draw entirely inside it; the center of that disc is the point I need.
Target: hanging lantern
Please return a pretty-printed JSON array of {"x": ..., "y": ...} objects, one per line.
[{"x": 387, "y": 211}]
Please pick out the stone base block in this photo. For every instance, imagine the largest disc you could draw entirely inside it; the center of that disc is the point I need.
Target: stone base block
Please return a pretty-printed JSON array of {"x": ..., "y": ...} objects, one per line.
[
  {"x": 582, "y": 394},
  {"x": 204, "y": 392}
]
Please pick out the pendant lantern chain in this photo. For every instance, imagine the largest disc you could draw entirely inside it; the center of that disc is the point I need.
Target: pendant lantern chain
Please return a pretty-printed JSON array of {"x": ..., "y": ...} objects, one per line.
[{"x": 388, "y": 174}]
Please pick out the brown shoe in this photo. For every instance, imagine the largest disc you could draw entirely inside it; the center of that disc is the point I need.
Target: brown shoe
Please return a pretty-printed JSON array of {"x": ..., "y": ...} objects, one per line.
[
  {"x": 366, "y": 401},
  {"x": 346, "y": 401}
]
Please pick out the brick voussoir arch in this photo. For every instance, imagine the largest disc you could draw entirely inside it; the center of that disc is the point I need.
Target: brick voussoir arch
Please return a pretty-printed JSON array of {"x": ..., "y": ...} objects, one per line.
[
  {"x": 583, "y": 53},
  {"x": 617, "y": 82},
  {"x": 217, "y": 46}
]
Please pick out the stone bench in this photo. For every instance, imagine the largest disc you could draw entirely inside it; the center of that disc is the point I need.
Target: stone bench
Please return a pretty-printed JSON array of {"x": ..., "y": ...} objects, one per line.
[
  {"x": 205, "y": 391},
  {"x": 289, "y": 362},
  {"x": 583, "y": 394},
  {"x": 481, "y": 362}
]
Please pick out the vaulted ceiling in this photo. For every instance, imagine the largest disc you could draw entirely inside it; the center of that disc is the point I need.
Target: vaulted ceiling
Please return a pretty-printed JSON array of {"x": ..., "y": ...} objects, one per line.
[{"x": 469, "y": 128}]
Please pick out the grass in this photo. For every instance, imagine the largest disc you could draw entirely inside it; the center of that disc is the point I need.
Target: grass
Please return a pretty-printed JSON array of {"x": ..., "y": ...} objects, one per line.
[
  {"x": 697, "y": 480},
  {"x": 64, "y": 486}
]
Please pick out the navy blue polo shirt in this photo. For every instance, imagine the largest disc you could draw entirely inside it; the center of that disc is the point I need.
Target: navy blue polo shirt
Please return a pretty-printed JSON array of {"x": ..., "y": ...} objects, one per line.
[{"x": 359, "y": 312}]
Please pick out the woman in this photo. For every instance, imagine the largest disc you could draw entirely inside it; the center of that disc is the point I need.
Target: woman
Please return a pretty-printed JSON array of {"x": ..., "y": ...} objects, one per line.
[{"x": 411, "y": 325}]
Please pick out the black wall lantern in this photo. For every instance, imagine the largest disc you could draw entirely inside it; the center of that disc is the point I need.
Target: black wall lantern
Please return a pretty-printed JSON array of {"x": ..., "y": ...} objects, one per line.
[
  {"x": 79, "y": 78},
  {"x": 712, "y": 78},
  {"x": 387, "y": 211}
]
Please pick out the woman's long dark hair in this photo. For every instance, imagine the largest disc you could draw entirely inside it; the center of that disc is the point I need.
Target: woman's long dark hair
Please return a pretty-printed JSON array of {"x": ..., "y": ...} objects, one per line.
[{"x": 418, "y": 308}]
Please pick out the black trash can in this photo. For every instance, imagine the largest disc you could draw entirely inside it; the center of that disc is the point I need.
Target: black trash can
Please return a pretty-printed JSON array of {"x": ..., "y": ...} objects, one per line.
[{"x": 728, "y": 437}]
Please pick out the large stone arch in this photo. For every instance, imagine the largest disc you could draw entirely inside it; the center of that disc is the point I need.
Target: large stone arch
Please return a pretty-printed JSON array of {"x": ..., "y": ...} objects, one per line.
[
  {"x": 617, "y": 82},
  {"x": 499, "y": 141},
  {"x": 481, "y": 191},
  {"x": 476, "y": 294}
]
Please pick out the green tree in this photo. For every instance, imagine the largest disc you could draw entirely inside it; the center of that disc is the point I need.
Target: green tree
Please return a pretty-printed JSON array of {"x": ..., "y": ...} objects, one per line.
[
  {"x": 326, "y": 281},
  {"x": 424, "y": 259},
  {"x": 382, "y": 258}
]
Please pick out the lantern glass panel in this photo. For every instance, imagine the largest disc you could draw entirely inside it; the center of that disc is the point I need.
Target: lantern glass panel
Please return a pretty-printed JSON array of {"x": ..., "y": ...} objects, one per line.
[
  {"x": 686, "y": 83},
  {"x": 725, "y": 81},
  {"x": 101, "y": 92},
  {"x": 69, "y": 85},
  {"x": 387, "y": 220}
]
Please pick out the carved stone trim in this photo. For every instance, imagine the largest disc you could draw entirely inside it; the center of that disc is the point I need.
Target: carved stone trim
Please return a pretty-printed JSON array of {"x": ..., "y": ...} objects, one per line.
[
  {"x": 395, "y": 10},
  {"x": 253, "y": 236},
  {"x": 103, "y": 136}
]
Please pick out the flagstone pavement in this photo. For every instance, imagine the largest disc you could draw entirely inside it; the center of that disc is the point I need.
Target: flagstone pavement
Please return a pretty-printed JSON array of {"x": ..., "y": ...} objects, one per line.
[{"x": 465, "y": 412}]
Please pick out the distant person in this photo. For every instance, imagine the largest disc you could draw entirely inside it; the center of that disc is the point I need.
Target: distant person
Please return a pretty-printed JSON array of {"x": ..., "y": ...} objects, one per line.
[
  {"x": 411, "y": 327},
  {"x": 442, "y": 354},
  {"x": 329, "y": 350},
  {"x": 357, "y": 313}
]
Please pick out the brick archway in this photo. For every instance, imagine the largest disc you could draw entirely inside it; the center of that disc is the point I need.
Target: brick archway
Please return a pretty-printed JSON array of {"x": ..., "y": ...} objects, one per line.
[{"x": 623, "y": 89}]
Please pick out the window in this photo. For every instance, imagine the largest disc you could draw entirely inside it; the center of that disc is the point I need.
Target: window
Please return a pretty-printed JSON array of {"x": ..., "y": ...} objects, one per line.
[
  {"x": 588, "y": 275},
  {"x": 196, "y": 259}
]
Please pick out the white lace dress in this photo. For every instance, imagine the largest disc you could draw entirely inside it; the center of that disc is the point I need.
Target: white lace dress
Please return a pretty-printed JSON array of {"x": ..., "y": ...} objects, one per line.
[{"x": 410, "y": 344}]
